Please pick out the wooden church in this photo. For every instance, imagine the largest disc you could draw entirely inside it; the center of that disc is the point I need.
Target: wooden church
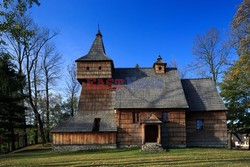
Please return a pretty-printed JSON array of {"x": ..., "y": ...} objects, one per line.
[{"x": 133, "y": 107}]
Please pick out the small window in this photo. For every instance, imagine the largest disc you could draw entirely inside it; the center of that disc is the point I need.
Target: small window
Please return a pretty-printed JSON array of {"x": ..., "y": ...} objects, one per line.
[
  {"x": 96, "y": 126},
  {"x": 135, "y": 117},
  {"x": 159, "y": 68},
  {"x": 199, "y": 124},
  {"x": 100, "y": 67},
  {"x": 87, "y": 68},
  {"x": 165, "y": 116}
]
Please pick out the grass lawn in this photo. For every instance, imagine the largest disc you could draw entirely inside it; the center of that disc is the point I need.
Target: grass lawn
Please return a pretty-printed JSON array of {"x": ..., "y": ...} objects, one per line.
[{"x": 37, "y": 156}]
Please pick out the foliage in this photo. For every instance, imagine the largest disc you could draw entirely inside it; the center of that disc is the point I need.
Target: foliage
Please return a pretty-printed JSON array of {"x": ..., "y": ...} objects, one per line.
[
  {"x": 20, "y": 6},
  {"x": 241, "y": 28},
  {"x": 10, "y": 11},
  {"x": 137, "y": 66},
  {"x": 10, "y": 97},
  {"x": 235, "y": 88}
]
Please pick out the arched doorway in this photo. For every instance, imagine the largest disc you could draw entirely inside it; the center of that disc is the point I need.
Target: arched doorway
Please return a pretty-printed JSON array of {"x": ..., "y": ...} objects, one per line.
[{"x": 151, "y": 133}]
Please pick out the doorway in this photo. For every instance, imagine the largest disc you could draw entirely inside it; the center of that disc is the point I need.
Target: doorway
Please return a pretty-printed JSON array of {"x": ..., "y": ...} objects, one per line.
[{"x": 151, "y": 133}]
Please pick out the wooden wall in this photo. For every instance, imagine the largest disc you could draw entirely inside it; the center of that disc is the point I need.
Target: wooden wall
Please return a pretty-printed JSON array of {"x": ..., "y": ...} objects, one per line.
[
  {"x": 84, "y": 138},
  {"x": 173, "y": 133},
  {"x": 94, "y": 71},
  {"x": 174, "y": 130},
  {"x": 157, "y": 70},
  {"x": 214, "y": 133},
  {"x": 129, "y": 133}
]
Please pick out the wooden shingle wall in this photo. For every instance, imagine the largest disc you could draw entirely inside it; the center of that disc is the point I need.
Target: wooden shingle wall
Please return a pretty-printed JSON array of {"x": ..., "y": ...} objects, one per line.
[
  {"x": 174, "y": 130},
  {"x": 214, "y": 133},
  {"x": 84, "y": 138},
  {"x": 159, "y": 71},
  {"x": 173, "y": 133},
  {"x": 94, "y": 70}
]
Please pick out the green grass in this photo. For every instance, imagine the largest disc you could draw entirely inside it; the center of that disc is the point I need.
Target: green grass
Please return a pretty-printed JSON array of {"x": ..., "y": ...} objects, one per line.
[{"x": 37, "y": 156}]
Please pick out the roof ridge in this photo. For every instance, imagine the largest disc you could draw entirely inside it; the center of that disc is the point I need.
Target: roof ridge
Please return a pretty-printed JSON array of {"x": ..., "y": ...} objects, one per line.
[
  {"x": 196, "y": 78},
  {"x": 142, "y": 68}
]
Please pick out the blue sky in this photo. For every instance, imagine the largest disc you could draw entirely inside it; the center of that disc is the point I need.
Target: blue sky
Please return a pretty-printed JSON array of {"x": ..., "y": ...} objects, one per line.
[{"x": 134, "y": 31}]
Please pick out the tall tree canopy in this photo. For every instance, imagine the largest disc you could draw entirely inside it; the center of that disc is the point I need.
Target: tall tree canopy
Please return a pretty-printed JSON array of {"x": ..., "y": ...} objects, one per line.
[
  {"x": 235, "y": 88},
  {"x": 211, "y": 53},
  {"x": 10, "y": 97}
]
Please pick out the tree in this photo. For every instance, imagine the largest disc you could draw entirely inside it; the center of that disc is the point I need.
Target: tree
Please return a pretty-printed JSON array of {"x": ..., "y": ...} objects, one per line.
[
  {"x": 240, "y": 28},
  {"x": 235, "y": 88},
  {"x": 34, "y": 45},
  {"x": 212, "y": 55},
  {"x": 57, "y": 109},
  {"x": 73, "y": 88},
  {"x": 13, "y": 26},
  {"x": 181, "y": 71},
  {"x": 36, "y": 80},
  {"x": 10, "y": 97},
  {"x": 9, "y": 10},
  {"x": 20, "y": 6},
  {"x": 51, "y": 65}
]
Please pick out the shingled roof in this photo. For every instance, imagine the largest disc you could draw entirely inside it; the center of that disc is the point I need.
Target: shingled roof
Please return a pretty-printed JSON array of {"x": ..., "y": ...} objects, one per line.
[
  {"x": 202, "y": 95},
  {"x": 88, "y": 111},
  {"x": 96, "y": 52},
  {"x": 143, "y": 88},
  {"x": 85, "y": 123}
]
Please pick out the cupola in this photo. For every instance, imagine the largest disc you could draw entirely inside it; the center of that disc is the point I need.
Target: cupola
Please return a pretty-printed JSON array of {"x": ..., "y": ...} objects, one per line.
[{"x": 159, "y": 66}]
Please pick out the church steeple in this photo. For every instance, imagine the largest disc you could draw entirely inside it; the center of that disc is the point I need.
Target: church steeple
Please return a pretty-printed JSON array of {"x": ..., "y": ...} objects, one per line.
[
  {"x": 97, "y": 50},
  {"x": 99, "y": 31},
  {"x": 95, "y": 64}
]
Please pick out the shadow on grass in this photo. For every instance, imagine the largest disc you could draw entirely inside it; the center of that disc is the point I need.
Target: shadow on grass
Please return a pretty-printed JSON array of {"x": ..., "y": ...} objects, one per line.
[
  {"x": 48, "y": 153},
  {"x": 146, "y": 162},
  {"x": 34, "y": 150},
  {"x": 128, "y": 157}
]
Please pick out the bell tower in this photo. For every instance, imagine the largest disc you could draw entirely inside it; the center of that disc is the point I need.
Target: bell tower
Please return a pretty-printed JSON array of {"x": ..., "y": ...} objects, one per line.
[
  {"x": 159, "y": 66},
  {"x": 96, "y": 64},
  {"x": 96, "y": 100}
]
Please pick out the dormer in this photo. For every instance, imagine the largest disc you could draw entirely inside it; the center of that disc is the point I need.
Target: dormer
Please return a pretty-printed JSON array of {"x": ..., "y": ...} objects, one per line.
[
  {"x": 159, "y": 66},
  {"x": 96, "y": 64}
]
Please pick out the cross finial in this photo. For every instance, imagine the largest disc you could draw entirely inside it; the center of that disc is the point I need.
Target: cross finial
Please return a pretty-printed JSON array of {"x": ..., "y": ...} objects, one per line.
[
  {"x": 99, "y": 31},
  {"x": 159, "y": 57}
]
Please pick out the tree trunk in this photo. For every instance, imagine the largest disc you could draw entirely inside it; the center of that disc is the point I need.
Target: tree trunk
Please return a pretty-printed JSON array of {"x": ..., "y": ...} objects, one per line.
[
  {"x": 37, "y": 115},
  {"x": 12, "y": 139},
  {"x": 72, "y": 106},
  {"x": 36, "y": 131},
  {"x": 47, "y": 111},
  {"x": 18, "y": 141},
  {"x": 25, "y": 140},
  {"x": 41, "y": 127},
  {"x": 35, "y": 103}
]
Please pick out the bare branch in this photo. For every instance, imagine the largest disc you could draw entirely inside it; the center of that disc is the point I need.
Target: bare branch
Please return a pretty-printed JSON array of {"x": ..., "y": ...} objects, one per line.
[{"x": 212, "y": 55}]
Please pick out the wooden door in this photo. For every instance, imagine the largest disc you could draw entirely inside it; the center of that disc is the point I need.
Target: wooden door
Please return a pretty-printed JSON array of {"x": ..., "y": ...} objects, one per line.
[{"x": 151, "y": 133}]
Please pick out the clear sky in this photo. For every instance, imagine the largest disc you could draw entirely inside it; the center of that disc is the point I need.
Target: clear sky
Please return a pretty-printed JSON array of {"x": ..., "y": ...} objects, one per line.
[{"x": 134, "y": 31}]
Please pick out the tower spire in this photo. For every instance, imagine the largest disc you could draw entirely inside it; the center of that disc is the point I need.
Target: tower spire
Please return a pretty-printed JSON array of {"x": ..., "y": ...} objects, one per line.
[{"x": 99, "y": 31}]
